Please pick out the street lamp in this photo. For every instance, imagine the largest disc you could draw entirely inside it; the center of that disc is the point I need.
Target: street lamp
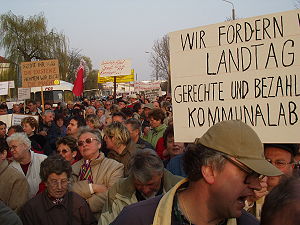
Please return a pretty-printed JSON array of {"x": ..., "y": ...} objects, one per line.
[
  {"x": 233, "y": 11},
  {"x": 156, "y": 73}
]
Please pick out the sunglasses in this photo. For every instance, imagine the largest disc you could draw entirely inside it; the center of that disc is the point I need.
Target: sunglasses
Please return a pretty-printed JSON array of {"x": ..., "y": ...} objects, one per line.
[{"x": 87, "y": 141}]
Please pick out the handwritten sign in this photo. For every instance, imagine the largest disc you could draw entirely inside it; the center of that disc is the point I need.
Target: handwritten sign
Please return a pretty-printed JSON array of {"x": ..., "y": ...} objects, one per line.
[
  {"x": 119, "y": 79},
  {"x": 17, "y": 118},
  {"x": 142, "y": 86},
  {"x": 4, "y": 88},
  {"x": 115, "y": 67},
  {"x": 23, "y": 93},
  {"x": 246, "y": 69},
  {"x": 39, "y": 73}
]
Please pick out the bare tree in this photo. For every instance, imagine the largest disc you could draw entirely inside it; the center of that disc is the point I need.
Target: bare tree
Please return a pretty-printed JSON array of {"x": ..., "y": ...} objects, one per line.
[
  {"x": 160, "y": 58},
  {"x": 297, "y": 4}
]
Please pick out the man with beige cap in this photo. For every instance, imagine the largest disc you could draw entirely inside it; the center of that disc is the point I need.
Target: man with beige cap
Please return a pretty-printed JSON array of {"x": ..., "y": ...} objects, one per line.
[{"x": 223, "y": 169}]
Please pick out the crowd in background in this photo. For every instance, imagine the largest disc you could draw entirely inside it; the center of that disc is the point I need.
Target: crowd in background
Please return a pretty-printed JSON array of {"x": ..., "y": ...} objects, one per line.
[{"x": 82, "y": 162}]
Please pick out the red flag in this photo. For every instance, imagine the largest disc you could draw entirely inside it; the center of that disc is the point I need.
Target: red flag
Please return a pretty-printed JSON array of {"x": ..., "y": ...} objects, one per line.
[{"x": 78, "y": 85}]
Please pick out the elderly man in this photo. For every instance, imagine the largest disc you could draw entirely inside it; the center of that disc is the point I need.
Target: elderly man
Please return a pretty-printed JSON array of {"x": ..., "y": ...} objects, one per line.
[
  {"x": 281, "y": 156},
  {"x": 147, "y": 179},
  {"x": 14, "y": 186},
  {"x": 223, "y": 169},
  {"x": 25, "y": 161}
]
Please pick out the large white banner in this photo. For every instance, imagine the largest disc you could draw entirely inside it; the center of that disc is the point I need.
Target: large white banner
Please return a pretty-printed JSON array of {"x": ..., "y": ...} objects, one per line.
[
  {"x": 246, "y": 69},
  {"x": 115, "y": 67}
]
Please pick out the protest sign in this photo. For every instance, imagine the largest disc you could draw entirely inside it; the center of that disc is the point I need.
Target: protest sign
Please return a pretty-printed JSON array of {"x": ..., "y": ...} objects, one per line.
[
  {"x": 17, "y": 118},
  {"x": 247, "y": 69},
  {"x": 119, "y": 79},
  {"x": 6, "y": 119},
  {"x": 23, "y": 93},
  {"x": 39, "y": 73},
  {"x": 115, "y": 67},
  {"x": 11, "y": 84},
  {"x": 4, "y": 88},
  {"x": 142, "y": 86}
]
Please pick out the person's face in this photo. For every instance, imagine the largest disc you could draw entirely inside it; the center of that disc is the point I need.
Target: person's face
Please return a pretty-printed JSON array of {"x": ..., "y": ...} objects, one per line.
[
  {"x": 57, "y": 185},
  {"x": 146, "y": 111},
  {"x": 70, "y": 106},
  {"x": 60, "y": 122},
  {"x": 154, "y": 123},
  {"x": 65, "y": 151},
  {"x": 156, "y": 105},
  {"x": 229, "y": 188},
  {"x": 31, "y": 107},
  {"x": 134, "y": 133},
  {"x": 89, "y": 146},
  {"x": 121, "y": 105},
  {"x": 90, "y": 124},
  {"x": 97, "y": 104},
  {"x": 282, "y": 160},
  {"x": 2, "y": 131},
  {"x": 150, "y": 187},
  {"x": 100, "y": 113},
  {"x": 48, "y": 118},
  {"x": 174, "y": 148},
  {"x": 28, "y": 129},
  {"x": 16, "y": 108},
  {"x": 89, "y": 112},
  {"x": 3, "y": 111},
  {"x": 108, "y": 121},
  {"x": 72, "y": 127},
  {"x": 18, "y": 150},
  {"x": 118, "y": 119},
  {"x": 109, "y": 142},
  {"x": 107, "y": 105},
  {"x": 47, "y": 107}
]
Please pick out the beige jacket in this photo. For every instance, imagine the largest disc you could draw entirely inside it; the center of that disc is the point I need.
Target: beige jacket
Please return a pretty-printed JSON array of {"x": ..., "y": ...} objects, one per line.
[
  {"x": 123, "y": 194},
  {"x": 14, "y": 188},
  {"x": 105, "y": 171}
]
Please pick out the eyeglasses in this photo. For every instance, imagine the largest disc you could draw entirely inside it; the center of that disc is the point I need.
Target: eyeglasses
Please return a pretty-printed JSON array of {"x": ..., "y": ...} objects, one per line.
[
  {"x": 87, "y": 141},
  {"x": 250, "y": 173},
  {"x": 280, "y": 164},
  {"x": 55, "y": 183},
  {"x": 64, "y": 151}
]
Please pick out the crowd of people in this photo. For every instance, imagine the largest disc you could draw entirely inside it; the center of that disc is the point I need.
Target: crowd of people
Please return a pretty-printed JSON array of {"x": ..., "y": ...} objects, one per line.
[{"x": 115, "y": 161}]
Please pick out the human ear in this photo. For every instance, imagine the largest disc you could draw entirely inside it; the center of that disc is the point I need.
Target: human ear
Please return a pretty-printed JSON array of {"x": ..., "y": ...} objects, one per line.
[{"x": 208, "y": 174}]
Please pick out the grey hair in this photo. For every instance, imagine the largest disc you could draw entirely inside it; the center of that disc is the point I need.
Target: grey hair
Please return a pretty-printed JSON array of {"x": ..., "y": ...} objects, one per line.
[
  {"x": 144, "y": 164},
  {"x": 91, "y": 107},
  {"x": 20, "y": 138},
  {"x": 47, "y": 112},
  {"x": 198, "y": 155},
  {"x": 95, "y": 132}
]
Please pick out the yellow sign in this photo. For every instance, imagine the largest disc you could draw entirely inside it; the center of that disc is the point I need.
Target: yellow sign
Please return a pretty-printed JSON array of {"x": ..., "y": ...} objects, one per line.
[
  {"x": 119, "y": 79},
  {"x": 39, "y": 73}
]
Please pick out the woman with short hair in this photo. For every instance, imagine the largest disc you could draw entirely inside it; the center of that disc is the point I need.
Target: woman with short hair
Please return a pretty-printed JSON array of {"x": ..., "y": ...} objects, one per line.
[
  {"x": 57, "y": 205},
  {"x": 94, "y": 174}
]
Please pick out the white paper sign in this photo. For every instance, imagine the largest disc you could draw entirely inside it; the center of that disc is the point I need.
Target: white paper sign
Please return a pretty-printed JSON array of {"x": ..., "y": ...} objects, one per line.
[
  {"x": 17, "y": 118},
  {"x": 23, "y": 93},
  {"x": 11, "y": 84},
  {"x": 6, "y": 119},
  {"x": 141, "y": 86},
  {"x": 115, "y": 67},
  {"x": 246, "y": 69},
  {"x": 4, "y": 88}
]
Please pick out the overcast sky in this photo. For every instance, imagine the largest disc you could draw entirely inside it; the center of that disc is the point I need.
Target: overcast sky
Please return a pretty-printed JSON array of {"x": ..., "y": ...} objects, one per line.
[{"x": 126, "y": 29}]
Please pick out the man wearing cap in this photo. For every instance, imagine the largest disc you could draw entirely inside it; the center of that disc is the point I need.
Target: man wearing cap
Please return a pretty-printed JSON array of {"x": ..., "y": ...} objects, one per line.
[
  {"x": 223, "y": 169},
  {"x": 132, "y": 100}
]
